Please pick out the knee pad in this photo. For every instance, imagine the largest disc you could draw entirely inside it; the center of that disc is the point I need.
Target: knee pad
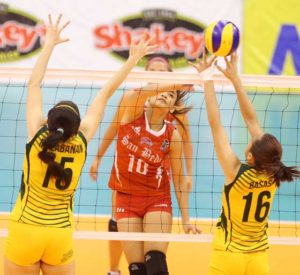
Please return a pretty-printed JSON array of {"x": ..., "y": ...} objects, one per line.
[
  {"x": 112, "y": 226},
  {"x": 137, "y": 269},
  {"x": 156, "y": 263}
]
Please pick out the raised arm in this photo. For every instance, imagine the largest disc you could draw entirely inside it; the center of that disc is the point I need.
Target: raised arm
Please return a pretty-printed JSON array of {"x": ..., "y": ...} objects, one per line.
[
  {"x": 181, "y": 186},
  {"x": 228, "y": 160},
  {"x": 107, "y": 139},
  {"x": 34, "y": 114},
  {"x": 138, "y": 97},
  {"x": 245, "y": 103},
  {"x": 90, "y": 122}
]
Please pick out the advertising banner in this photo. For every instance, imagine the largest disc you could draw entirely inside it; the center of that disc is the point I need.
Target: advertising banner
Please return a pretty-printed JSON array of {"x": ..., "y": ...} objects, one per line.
[
  {"x": 100, "y": 31},
  {"x": 271, "y": 39}
]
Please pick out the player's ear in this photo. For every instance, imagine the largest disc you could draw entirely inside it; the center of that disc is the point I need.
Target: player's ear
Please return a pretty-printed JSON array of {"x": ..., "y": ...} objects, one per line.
[
  {"x": 176, "y": 108},
  {"x": 250, "y": 158}
]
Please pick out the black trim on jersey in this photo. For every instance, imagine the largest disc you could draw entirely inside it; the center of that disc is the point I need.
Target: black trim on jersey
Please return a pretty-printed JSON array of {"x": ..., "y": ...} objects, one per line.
[
  {"x": 61, "y": 215},
  {"x": 223, "y": 224},
  {"x": 83, "y": 138},
  {"x": 227, "y": 189},
  {"x": 71, "y": 203},
  {"x": 23, "y": 219},
  {"x": 22, "y": 187},
  {"x": 27, "y": 151},
  {"x": 38, "y": 133},
  {"x": 243, "y": 168},
  {"x": 41, "y": 200}
]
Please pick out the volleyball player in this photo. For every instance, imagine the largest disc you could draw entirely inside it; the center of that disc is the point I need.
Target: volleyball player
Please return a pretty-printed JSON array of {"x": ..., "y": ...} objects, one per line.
[
  {"x": 241, "y": 242},
  {"x": 158, "y": 64},
  {"x": 40, "y": 230},
  {"x": 146, "y": 144}
]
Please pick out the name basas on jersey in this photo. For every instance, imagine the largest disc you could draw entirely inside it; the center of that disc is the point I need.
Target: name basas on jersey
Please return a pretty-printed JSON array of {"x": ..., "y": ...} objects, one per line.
[
  {"x": 64, "y": 148},
  {"x": 261, "y": 183}
]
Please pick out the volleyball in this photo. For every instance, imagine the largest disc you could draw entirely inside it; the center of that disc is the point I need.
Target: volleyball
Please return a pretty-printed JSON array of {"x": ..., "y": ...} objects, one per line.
[{"x": 221, "y": 38}]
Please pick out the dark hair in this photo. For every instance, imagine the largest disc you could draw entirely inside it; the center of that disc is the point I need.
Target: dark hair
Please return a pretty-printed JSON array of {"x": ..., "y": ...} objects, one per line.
[
  {"x": 63, "y": 122},
  {"x": 159, "y": 58},
  {"x": 267, "y": 153},
  {"x": 180, "y": 102}
]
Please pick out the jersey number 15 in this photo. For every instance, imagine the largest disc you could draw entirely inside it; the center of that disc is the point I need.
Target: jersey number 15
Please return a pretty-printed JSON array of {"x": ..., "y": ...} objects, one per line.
[{"x": 61, "y": 185}]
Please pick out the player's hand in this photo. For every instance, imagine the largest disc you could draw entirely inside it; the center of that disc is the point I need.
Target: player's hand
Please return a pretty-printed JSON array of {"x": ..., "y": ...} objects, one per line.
[
  {"x": 231, "y": 71},
  {"x": 191, "y": 228},
  {"x": 94, "y": 169},
  {"x": 53, "y": 31},
  {"x": 202, "y": 65},
  {"x": 144, "y": 47}
]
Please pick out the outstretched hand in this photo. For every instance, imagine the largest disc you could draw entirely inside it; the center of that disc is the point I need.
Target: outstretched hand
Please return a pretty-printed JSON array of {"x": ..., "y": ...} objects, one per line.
[
  {"x": 202, "y": 65},
  {"x": 53, "y": 31},
  {"x": 231, "y": 71},
  {"x": 142, "y": 48}
]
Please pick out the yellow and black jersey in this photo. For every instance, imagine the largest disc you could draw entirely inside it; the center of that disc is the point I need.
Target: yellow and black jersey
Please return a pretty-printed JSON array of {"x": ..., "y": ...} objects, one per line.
[
  {"x": 44, "y": 200},
  {"x": 246, "y": 204}
]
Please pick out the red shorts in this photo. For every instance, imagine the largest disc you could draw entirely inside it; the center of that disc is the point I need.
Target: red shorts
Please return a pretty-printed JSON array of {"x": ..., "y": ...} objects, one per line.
[{"x": 131, "y": 206}]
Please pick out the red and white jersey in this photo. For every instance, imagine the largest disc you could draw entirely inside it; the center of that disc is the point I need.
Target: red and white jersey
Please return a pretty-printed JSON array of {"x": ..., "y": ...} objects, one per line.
[
  {"x": 140, "y": 159},
  {"x": 170, "y": 117}
]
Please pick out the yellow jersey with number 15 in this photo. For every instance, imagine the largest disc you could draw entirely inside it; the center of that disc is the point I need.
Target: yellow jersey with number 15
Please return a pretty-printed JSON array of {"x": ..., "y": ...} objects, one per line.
[
  {"x": 44, "y": 200},
  {"x": 246, "y": 204}
]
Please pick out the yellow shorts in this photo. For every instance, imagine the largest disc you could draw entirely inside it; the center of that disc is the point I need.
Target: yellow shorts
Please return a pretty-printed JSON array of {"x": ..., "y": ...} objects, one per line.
[
  {"x": 233, "y": 263},
  {"x": 28, "y": 244}
]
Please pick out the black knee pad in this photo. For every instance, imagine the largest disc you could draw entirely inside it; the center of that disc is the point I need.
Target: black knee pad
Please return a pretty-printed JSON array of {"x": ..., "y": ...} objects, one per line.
[
  {"x": 137, "y": 269},
  {"x": 156, "y": 263},
  {"x": 112, "y": 226}
]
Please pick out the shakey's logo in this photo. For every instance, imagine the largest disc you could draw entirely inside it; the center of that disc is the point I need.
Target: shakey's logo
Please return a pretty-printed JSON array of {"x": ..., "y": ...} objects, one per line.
[
  {"x": 20, "y": 34},
  {"x": 180, "y": 39}
]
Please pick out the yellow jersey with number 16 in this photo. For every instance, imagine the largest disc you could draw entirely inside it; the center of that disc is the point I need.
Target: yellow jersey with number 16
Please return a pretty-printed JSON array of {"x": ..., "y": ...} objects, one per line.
[
  {"x": 44, "y": 200},
  {"x": 246, "y": 204}
]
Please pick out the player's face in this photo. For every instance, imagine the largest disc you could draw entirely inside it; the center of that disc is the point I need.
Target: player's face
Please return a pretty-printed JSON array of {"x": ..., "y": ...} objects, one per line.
[
  {"x": 158, "y": 66},
  {"x": 164, "y": 100}
]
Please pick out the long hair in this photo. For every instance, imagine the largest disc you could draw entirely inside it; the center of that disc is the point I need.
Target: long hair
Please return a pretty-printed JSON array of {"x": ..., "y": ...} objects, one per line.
[
  {"x": 63, "y": 123},
  {"x": 180, "y": 102},
  {"x": 267, "y": 153}
]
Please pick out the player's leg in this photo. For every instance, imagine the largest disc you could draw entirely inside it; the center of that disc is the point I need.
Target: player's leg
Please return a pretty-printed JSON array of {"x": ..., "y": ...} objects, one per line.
[
  {"x": 67, "y": 269},
  {"x": 115, "y": 247},
  {"x": 155, "y": 252},
  {"x": 134, "y": 250},
  {"x": 11, "y": 268}
]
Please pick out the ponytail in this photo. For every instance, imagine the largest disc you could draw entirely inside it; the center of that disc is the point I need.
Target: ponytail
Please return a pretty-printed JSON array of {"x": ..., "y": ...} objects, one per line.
[
  {"x": 282, "y": 172},
  {"x": 63, "y": 123},
  {"x": 267, "y": 152},
  {"x": 50, "y": 141}
]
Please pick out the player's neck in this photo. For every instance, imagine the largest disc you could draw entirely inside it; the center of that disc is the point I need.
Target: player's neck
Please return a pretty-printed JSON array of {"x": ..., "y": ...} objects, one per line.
[{"x": 155, "y": 119}]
